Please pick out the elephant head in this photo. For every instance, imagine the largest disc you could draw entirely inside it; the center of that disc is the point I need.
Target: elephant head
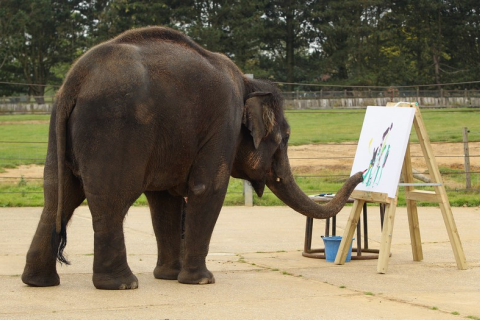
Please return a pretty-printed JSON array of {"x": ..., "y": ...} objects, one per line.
[{"x": 262, "y": 155}]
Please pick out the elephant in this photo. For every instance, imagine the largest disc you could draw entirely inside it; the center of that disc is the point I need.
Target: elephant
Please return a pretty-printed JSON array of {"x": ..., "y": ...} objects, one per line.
[{"x": 152, "y": 112}]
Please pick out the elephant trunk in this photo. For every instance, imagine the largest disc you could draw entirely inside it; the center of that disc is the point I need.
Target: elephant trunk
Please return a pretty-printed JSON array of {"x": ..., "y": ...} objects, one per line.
[{"x": 287, "y": 190}]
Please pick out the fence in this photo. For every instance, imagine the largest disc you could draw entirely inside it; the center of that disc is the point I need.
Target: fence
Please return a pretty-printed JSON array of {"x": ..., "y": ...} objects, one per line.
[
  {"x": 351, "y": 99},
  {"x": 323, "y": 99},
  {"x": 388, "y": 93},
  {"x": 26, "y": 104},
  {"x": 24, "y": 99}
]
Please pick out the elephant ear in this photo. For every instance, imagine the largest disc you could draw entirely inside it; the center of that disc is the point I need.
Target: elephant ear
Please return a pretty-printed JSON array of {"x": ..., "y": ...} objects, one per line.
[{"x": 258, "y": 116}]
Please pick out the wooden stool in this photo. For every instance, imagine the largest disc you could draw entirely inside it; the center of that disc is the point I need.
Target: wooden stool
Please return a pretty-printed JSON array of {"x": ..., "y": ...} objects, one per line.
[{"x": 320, "y": 253}]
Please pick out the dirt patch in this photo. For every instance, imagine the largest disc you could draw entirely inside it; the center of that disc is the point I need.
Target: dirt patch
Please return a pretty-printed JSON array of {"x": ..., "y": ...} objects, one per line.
[
  {"x": 31, "y": 172},
  {"x": 25, "y": 122},
  {"x": 322, "y": 158},
  {"x": 315, "y": 158}
]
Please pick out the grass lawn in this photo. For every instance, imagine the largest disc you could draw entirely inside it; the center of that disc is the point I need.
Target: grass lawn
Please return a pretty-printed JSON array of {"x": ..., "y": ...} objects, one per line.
[
  {"x": 23, "y": 140},
  {"x": 30, "y": 193}
]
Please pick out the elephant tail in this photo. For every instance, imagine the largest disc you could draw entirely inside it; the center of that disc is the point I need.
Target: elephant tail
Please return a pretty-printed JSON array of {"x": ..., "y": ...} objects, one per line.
[{"x": 65, "y": 102}]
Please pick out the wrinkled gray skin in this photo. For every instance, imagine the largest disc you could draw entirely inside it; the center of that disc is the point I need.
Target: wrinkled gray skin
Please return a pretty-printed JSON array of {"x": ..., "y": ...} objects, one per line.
[{"x": 152, "y": 112}]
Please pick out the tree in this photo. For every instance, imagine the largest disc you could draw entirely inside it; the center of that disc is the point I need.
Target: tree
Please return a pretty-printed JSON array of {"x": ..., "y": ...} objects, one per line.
[
  {"x": 462, "y": 41},
  {"x": 230, "y": 27},
  {"x": 349, "y": 36},
  {"x": 440, "y": 38},
  {"x": 121, "y": 15},
  {"x": 10, "y": 73},
  {"x": 38, "y": 34},
  {"x": 368, "y": 42},
  {"x": 287, "y": 33}
]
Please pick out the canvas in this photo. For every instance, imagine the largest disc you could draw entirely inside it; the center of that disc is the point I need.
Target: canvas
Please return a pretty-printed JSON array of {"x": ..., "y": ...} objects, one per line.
[{"x": 381, "y": 148}]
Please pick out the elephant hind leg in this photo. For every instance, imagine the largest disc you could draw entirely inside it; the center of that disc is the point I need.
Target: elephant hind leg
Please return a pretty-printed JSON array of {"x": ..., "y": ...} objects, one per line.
[
  {"x": 40, "y": 268},
  {"x": 110, "y": 267}
]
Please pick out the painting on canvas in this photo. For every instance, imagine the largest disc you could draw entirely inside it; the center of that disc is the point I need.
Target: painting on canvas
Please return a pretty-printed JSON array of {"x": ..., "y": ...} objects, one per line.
[{"x": 381, "y": 148}]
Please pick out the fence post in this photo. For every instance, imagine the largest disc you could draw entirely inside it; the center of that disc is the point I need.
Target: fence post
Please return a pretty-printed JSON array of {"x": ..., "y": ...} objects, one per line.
[
  {"x": 248, "y": 193},
  {"x": 468, "y": 181},
  {"x": 247, "y": 186}
]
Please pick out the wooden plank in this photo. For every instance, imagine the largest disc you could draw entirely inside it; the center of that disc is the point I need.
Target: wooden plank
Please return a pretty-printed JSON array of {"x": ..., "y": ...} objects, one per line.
[
  {"x": 371, "y": 196},
  {"x": 422, "y": 195},
  {"x": 419, "y": 184},
  {"x": 350, "y": 229},
  {"x": 386, "y": 241},
  {"x": 400, "y": 104},
  {"x": 412, "y": 213}
]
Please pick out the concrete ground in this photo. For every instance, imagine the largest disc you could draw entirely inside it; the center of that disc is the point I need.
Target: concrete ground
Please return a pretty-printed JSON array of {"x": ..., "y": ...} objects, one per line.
[{"x": 255, "y": 254}]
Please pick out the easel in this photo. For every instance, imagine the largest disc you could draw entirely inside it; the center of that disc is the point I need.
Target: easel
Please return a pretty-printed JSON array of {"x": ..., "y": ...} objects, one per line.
[{"x": 439, "y": 195}]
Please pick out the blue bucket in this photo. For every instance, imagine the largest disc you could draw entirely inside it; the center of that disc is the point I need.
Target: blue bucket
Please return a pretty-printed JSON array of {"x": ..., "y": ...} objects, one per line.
[{"x": 331, "y": 248}]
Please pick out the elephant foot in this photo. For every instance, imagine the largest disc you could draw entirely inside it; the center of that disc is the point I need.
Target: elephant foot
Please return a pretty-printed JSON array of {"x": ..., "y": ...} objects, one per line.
[
  {"x": 114, "y": 282},
  {"x": 166, "y": 272},
  {"x": 198, "y": 276},
  {"x": 36, "y": 279}
]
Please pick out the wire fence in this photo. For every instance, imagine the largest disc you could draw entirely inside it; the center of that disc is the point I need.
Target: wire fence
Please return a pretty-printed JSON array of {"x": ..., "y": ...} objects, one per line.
[
  {"x": 355, "y": 92},
  {"x": 459, "y": 93},
  {"x": 23, "y": 158},
  {"x": 389, "y": 93}
]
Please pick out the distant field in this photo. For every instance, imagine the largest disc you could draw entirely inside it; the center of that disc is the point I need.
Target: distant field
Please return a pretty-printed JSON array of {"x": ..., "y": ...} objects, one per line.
[
  {"x": 308, "y": 126},
  {"x": 319, "y": 126},
  {"x": 23, "y": 140},
  {"x": 24, "y": 117}
]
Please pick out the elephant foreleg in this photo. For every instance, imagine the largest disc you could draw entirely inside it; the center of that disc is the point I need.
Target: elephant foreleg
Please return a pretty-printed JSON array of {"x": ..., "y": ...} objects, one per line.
[
  {"x": 166, "y": 211},
  {"x": 201, "y": 215}
]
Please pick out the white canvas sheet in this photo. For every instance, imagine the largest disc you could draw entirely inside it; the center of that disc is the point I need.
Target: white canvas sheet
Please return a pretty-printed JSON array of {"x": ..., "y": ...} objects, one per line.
[{"x": 381, "y": 148}]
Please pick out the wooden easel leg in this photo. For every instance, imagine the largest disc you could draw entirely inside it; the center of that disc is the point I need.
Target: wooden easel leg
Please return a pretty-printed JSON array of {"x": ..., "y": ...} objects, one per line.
[
  {"x": 412, "y": 213},
  {"x": 386, "y": 242},
  {"x": 349, "y": 231},
  {"x": 453, "y": 236},
  {"x": 414, "y": 227},
  {"x": 440, "y": 191}
]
